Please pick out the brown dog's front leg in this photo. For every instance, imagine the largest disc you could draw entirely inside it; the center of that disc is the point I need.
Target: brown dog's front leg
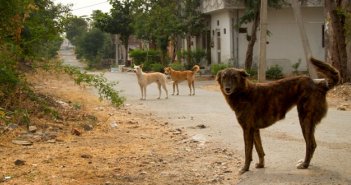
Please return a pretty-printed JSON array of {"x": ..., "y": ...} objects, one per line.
[
  {"x": 248, "y": 139},
  {"x": 259, "y": 149}
]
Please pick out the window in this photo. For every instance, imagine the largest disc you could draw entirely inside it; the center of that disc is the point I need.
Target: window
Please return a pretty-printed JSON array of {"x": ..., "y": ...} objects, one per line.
[{"x": 242, "y": 30}]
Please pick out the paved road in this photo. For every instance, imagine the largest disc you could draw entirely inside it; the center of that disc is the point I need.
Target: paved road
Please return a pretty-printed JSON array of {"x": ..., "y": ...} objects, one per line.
[{"x": 283, "y": 142}]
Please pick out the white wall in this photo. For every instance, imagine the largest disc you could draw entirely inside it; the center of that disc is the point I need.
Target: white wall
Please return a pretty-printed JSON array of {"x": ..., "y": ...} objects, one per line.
[
  {"x": 224, "y": 19},
  {"x": 284, "y": 48},
  {"x": 285, "y": 42}
]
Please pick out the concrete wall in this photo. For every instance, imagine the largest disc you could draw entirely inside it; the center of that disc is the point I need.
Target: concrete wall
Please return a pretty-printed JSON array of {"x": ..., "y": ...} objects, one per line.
[
  {"x": 221, "y": 25},
  {"x": 284, "y": 48}
]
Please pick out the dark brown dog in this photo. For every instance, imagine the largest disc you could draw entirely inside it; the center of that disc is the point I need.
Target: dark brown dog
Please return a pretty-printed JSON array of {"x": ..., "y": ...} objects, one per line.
[{"x": 259, "y": 105}]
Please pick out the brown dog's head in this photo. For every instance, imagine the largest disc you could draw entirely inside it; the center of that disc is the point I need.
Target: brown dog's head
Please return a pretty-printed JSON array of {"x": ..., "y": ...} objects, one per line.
[
  {"x": 167, "y": 70},
  {"x": 231, "y": 79}
]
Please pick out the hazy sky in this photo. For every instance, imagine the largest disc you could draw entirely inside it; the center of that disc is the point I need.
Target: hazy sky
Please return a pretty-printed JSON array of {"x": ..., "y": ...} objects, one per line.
[{"x": 86, "y": 7}]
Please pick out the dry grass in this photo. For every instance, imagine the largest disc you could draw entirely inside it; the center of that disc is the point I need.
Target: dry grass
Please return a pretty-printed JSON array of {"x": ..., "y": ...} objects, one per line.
[{"x": 141, "y": 149}]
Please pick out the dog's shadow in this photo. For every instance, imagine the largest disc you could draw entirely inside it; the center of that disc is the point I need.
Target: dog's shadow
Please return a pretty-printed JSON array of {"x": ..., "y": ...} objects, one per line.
[
  {"x": 312, "y": 175},
  {"x": 153, "y": 99}
]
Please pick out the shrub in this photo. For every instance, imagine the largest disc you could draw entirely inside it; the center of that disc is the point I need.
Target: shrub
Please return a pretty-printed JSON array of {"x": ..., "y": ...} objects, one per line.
[
  {"x": 196, "y": 57},
  {"x": 105, "y": 88},
  {"x": 177, "y": 66},
  {"x": 217, "y": 67},
  {"x": 141, "y": 56},
  {"x": 252, "y": 72},
  {"x": 157, "y": 67},
  {"x": 296, "y": 67},
  {"x": 274, "y": 72},
  {"x": 147, "y": 65}
]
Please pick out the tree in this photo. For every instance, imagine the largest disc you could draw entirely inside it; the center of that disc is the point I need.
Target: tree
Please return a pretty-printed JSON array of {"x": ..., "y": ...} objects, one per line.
[
  {"x": 75, "y": 27},
  {"x": 90, "y": 44},
  {"x": 163, "y": 21},
  {"x": 157, "y": 22},
  {"x": 193, "y": 21},
  {"x": 252, "y": 14},
  {"x": 118, "y": 21},
  {"x": 338, "y": 20},
  {"x": 29, "y": 29}
]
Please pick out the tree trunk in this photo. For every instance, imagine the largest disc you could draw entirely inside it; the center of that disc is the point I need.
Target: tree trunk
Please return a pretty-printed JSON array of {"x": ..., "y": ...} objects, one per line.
[
  {"x": 126, "y": 44},
  {"x": 263, "y": 42},
  {"x": 188, "y": 44},
  {"x": 336, "y": 49},
  {"x": 304, "y": 39},
  {"x": 347, "y": 6},
  {"x": 252, "y": 41}
]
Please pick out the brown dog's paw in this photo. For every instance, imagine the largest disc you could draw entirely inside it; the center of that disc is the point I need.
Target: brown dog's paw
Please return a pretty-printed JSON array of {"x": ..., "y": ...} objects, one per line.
[
  {"x": 301, "y": 164},
  {"x": 259, "y": 165},
  {"x": 243, "y": 170}
]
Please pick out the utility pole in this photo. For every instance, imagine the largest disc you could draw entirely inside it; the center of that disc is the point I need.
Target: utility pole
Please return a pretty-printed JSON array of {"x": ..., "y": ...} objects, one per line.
[
  {"x": 117, "y": 48},
  {"x": 263, "y": 42},
  {"x": 304, "y": 39}
]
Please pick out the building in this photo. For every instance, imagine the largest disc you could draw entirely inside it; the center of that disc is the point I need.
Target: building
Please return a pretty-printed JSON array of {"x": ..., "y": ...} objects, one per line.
[{"x": 226, "y": 44}]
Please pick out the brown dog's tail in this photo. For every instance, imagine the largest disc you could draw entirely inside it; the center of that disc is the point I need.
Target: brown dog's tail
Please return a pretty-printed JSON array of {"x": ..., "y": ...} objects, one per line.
[
  {"x": 196, "y": 68},
  {"x": 327, "y": 71}
]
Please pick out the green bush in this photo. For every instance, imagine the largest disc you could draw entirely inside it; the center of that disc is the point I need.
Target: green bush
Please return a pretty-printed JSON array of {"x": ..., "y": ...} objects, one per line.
[
  {"x": 274, "y": 72},
  {"x": 252, "y": 72},
  {"x": 140, "y": 56},
  {"x": 296, "y": 67},
  {"x": 147, "y": 66},
  {"x": 157, "y": 67},
  {"x": 217, "y": 67},
  {"x": 105, "y": 88},
  {"x": 177, "y": 66},
  {"x": 9, "y": 77},
  {"x": 196, "y": 57}
]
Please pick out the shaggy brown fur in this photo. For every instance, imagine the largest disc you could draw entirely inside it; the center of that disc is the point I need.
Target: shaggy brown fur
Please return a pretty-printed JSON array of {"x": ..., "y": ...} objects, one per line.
[
  {"x": 259, "y": 105},
  {"x": 179, "y": 76}
]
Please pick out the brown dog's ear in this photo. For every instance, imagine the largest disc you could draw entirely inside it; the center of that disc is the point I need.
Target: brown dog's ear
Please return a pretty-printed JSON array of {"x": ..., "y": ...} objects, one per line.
[
  {"x": 219, "y": 76},
  {"x": 141, "y": 66},
  {"x": 243, "y": 73}
]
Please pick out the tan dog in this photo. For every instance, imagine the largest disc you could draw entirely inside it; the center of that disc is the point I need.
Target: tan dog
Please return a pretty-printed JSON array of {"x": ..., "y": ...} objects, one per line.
[
  {"x": 144, "y": 79},
  {"x": 259, "y": 105},
  {"x": 179, "y": 76}
]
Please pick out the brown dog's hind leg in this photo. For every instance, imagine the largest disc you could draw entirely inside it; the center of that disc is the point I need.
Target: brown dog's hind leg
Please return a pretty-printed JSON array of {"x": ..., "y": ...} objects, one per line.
[
  {"x": 193, "y": 85},
  {"x": 177, "y": 88},
  {"x": 259, "y": 149},
  {"x": 189, "y": 84},
  {"x": 174, "y": 84},
  {"x": 307, "y": 123},
  {"x": 248, "y": 139},
  {"x": 308, "y": 132}
]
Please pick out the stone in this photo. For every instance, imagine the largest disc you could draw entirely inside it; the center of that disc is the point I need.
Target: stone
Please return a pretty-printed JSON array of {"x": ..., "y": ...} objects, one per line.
[
  {"x": 21, "y": 142},
  {"x": 19, "y": 162},
  {"x": 75, "y": 132},
  {"x": 32, "y": 129}
]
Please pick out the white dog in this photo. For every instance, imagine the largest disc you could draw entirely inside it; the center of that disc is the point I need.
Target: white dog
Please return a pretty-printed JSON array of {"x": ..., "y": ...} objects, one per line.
[{"x": 144, "y": 79}]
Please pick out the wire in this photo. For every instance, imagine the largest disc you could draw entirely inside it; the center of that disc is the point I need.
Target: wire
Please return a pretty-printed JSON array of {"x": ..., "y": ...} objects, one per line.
[{"x": 89, "y": 6}]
